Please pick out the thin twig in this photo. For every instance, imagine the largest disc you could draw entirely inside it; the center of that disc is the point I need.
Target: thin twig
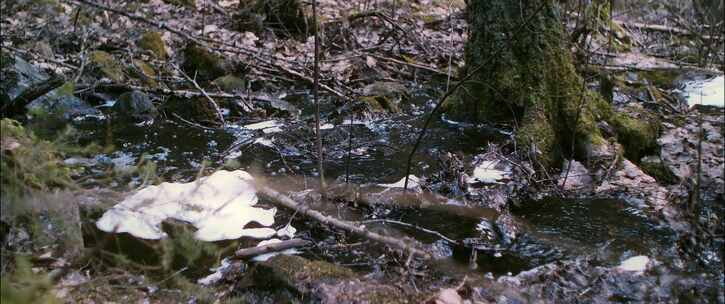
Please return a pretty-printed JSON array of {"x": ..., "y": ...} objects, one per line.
[{"x": 213, "y": 103}]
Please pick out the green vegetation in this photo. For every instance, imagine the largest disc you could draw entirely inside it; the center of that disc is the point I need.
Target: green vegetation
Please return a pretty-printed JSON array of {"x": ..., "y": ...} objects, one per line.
[{"x": 152, "y": 42}]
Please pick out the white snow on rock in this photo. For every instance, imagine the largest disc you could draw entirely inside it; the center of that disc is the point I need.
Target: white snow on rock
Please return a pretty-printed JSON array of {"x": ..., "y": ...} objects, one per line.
[
  {"x": 218, "y": 205},
  {"x": 636, "y": 264},
  {"x": 485, "y": 172},
  {"x": 707, "y": 92},
  {"x": 267, "y": 256}
]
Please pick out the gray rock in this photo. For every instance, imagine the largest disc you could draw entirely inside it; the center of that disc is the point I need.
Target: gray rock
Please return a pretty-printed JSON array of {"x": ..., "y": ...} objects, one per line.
[
  {"x": 62, "y": 104},
  {"x": 135, "y": 105},
  {"x": 18, "y": 76}
]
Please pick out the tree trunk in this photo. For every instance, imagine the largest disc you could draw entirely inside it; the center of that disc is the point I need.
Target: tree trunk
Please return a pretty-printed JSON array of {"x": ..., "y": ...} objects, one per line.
[{"x": 528, "y": 79}]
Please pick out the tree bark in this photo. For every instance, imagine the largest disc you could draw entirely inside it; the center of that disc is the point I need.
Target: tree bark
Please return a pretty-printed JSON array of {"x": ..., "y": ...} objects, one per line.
[{"x": 532, "y": 82}]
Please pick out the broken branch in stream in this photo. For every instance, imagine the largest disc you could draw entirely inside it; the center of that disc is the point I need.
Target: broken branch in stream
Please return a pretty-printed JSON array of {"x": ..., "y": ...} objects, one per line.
[
  {"x": 274, "y": 247},
  {"x": 283, "y": 200}
]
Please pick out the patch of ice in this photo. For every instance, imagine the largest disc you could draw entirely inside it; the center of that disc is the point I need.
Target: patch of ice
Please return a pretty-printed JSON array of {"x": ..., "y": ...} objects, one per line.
[
  {"x": 634, "y": 264},
  {"x": 217, "y": 275},
  {"x": 219, "y": 205},
  {"x": 485, "y": 173},
  {"x": 267, "y": 256},
  {"x": 707, "y": 92},
  {"x": 327, "y": 126},
  {"x": 263, "y": 125},
  {"x": 413, "y": 183},
  {"x": 272, "y": 130}
]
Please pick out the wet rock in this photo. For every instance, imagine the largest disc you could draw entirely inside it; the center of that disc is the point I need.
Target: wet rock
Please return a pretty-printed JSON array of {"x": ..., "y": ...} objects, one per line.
[
  {"x": 679, "y": 152},
  {"x": 196, "y": 109},
  {"x": 105, "y": 65},
  {"x": 633, "y": 185},
  {"x": 62, "y": 104},
  {"x": 583, "y": 281},
  {"x": 384, "y": 96},
  {"x": 575, "y": 176},
  {"x": 135, "y": 105},
  {"x": 202, "y": 64},
  {"x": 152, "y": 42},
  {"x": 508, "y": 228}
]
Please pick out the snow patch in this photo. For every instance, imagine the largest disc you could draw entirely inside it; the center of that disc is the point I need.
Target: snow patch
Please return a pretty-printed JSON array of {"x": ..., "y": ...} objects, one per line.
[
  {"x": 413, "y": 183},
  {"x": 267, "y": 256},
  {"x": 636, "y": 264},
  {"x": 219, "y": 206},
  {"x": 706, "y": 92}
]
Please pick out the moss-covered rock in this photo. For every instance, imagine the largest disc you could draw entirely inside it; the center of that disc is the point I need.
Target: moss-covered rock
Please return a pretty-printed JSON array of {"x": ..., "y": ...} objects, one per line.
[
  {"x": 385, "y": 96},
  {"x": 152, "y": 42},
  {"x": 230, "y": 83},
  {"x": 201, "y": 63},
  {"x": 107, "y": 65},
  {"x": 297, "y": 273},
  {"x": 144, "y": 72},
  {"x": 195, "y": 109}
]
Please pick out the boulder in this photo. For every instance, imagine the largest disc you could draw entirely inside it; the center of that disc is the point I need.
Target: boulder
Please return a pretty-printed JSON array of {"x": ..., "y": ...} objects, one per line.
[
  {"x": 63, "y": 105},
  {"x": 135, "y": 105}
]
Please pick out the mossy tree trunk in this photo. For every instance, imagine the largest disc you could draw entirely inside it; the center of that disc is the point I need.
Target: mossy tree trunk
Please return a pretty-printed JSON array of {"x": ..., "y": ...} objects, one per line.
[{"x": 528, "y": 79}]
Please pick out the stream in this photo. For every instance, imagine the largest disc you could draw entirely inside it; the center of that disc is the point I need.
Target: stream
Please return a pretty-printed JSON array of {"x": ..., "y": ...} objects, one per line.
[{"x": 608, "y": 231}]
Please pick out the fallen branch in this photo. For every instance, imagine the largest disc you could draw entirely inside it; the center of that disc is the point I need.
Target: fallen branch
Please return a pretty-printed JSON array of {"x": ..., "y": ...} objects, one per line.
[
  {"x": 664, "y": 29},
  {"x": 285, "y": 201},
  {"x": 274, "y": 247},
  {"x": 213, "y": 103}
]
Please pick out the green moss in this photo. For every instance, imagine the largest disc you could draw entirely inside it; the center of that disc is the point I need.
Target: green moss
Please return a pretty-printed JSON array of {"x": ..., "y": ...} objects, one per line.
[
  {"x": 201, "y": 63},
  {"x": 182, "y": 249},
  {"x": 653, "y": 166},
  {"x": 296, "y": 272},
  {"x": 145, "y": 72},
  {"x": 29, "y": 163},
  {"x": 230, "y": 83},
  {"x": 24, "y": 286},
  {"x": 107, "y": 65},
  {"x": 152, "y": 42},
  {"x": 638, "y": 136}
]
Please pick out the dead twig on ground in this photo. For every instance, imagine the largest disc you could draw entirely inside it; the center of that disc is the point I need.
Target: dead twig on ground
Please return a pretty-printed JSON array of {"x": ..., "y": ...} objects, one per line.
[{"x": 213, "y": 103}]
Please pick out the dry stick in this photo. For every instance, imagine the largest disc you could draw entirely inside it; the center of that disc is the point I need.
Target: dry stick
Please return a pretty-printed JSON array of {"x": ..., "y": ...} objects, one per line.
[
  {"x": 202, "y": 42},
  {"x": 316, "y": 83},
  {"x": 285, "y": 201},
  {"x": 274, "y": 247},
  {"x": 453, "y": 90},
  {"x": 211, "y": 101}
]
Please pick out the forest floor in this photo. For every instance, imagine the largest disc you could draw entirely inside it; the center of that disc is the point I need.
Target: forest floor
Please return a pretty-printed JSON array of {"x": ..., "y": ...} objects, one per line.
[{"x": 110, "y": 98}]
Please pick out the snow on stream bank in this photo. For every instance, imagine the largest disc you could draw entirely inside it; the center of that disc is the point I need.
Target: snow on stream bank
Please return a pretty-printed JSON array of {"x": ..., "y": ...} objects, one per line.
[
  {"x": 219, "y": 206},
  {"x": 706, "y": 92}
]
